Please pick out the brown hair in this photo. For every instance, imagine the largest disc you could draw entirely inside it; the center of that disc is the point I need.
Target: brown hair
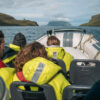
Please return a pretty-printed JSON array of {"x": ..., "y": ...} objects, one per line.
[
  {"x": 53, "y": 40},
  {"x": 19, "y": 40},
  {"x": 29, "y": 52}
]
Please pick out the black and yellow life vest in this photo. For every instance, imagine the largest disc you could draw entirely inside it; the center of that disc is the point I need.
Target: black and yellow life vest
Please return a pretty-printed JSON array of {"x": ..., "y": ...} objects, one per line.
[{"x": 10, "y": 54}]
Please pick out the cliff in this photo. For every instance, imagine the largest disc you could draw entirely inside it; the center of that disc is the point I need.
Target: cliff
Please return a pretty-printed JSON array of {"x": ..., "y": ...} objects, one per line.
[
  {"x": 94, "y": 21},
  {"x": 7, "y": 20}
]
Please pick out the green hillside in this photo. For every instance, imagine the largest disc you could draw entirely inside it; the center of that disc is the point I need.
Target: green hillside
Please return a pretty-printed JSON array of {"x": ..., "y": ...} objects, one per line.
[
  {"x": 95, "y": 21},
  {"x": 7, "y": 20}
]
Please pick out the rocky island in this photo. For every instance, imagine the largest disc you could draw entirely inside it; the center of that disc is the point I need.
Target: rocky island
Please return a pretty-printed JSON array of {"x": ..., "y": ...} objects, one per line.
[
  {"x": 94, "y": 21},
  {"x": 7, "y": 20},
  {"x": 58, "y": 23}
]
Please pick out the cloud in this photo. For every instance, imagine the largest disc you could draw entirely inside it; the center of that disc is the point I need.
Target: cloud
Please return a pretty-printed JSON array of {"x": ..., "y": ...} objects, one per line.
[
  {"x": 30, "y": 15},
  {"x": 43, "y": 23},
  {"x": 45, "y": 10},
  {"x": 61, "y": 19},
  {"x": 4, "y": 4}
]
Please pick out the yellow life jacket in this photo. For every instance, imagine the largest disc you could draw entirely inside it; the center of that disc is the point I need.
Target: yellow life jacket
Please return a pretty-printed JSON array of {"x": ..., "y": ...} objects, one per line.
[
  {"x": 14, "y": 47},
  {"x": 10, "y": 53},
  {"x": 33, "y": 88},
  {"x": 60, "y": 53},
  {"x": 7, "y": 75},
  {"x": 41, "y": 71}
]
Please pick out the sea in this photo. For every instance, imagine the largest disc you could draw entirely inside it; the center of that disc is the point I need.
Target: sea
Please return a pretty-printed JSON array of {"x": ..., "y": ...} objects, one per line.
[{"x": 33, "y": 33}]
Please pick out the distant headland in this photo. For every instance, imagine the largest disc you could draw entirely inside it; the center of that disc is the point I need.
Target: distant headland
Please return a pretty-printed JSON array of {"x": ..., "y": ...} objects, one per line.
[
  {"x": 94, "y": 21},
  {"x": 7, "y": 20},
  {"x": 58, "y": 23}
]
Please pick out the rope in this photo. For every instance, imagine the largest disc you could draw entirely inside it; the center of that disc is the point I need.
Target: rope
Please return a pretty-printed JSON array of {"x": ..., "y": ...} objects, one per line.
[
  {"x": 79, "y": 44},
  {"x": 89, "y": 39},
  {"x": 97, "y": 54}
]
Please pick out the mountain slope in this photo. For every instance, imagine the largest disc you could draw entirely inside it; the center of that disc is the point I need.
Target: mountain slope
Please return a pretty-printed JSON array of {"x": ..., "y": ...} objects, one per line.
[
  {"x": 94, "y": 21},
  {"x": 7, "y": 20}
]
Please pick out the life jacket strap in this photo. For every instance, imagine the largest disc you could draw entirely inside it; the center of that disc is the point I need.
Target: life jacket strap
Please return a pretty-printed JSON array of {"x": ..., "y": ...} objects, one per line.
[
  {"x": 60, "y": 71},
  {"x": 21, "y": 77}
]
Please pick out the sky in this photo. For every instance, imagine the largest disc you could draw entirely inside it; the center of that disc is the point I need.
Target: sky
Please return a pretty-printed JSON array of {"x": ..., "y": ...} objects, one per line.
[{"x": 42, "y": 11}]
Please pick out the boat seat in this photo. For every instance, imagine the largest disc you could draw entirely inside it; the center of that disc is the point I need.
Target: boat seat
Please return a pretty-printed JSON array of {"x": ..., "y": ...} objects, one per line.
[
  {"x": 75, "y": 92},
  {"x": 4, "y": 92},
  {"x": 45, "y": 92},
  {"x": 2, "y": 88},
  {"x": 84, "y": 72}
]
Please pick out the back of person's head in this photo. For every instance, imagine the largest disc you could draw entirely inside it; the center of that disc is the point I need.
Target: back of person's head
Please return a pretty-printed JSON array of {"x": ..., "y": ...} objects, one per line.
[
  {"x": 53, "y": 40},
  {"x": 29, "y": 52},
  {"x": 1, "y": 36},
  {"x": 49, "y": 32},
  {"x": 19, "y": 40}
]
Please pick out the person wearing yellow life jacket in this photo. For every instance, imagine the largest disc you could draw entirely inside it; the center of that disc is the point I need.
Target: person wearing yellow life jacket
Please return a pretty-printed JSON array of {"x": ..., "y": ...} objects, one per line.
[
  {"x": 6, "y": 74},
  {"x": 2, "y": 42},
  {"x": 11, "y": 51},
  {"x": 32, "y": 64},
  {"x": 56, "y": 52}
]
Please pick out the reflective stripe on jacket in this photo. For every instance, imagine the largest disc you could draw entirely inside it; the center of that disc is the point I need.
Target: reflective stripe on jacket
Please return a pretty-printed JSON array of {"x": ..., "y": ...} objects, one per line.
[{"x": 60, "y": 53}]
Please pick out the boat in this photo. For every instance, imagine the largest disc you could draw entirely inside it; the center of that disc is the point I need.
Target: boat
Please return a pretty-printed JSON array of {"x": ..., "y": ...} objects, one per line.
[
  {"x": 84, "y": 69},
  {"x": 76, "y": 42}
]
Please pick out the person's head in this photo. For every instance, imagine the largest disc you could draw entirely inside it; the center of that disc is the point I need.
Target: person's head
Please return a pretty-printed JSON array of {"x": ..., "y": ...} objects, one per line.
[
  {"x": 29, "y": 52},
  {"x": 2, "y": 41},
  {"x": 19, "y": 40},
  {"x": 49, "y": 32},
  {"x": 53, "y": 40}
]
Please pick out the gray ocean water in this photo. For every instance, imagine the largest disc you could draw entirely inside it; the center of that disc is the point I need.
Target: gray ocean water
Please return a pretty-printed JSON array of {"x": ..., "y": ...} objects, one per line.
[{"x": 34, "y": 32}]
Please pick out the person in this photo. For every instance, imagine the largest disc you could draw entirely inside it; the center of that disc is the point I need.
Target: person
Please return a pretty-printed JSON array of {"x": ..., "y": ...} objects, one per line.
[
  {"x": 2, "y": 41},
  {"x": 56, "y": 52},
  {"x": 94, "y": 92},
  {"x": 10, "y": 52},
  {"x": 49, "y": 33},
  {"x": 6, "y": 74},
  {"x": 32, "y": 64}
]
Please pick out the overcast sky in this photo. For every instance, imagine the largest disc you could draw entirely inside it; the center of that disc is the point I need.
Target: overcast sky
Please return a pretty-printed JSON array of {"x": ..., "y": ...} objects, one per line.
[{"x": 43, "y": 11}]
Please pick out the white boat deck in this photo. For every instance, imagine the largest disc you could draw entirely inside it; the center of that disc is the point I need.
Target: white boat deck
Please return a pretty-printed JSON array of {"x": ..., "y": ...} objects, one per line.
[{"x": 76, "y": 53}]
